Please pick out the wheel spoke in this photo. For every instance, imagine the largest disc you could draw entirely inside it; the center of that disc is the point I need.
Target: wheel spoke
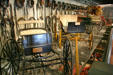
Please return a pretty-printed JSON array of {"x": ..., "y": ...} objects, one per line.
[{"x": 5, "y": 65}]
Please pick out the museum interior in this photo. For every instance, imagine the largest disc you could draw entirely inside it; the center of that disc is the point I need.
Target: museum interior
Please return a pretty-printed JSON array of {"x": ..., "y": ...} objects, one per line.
[{"x": 56, "y": 37}]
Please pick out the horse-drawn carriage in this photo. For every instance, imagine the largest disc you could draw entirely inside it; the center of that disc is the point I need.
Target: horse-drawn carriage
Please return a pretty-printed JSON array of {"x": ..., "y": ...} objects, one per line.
[{"x": 34, "y": 49}]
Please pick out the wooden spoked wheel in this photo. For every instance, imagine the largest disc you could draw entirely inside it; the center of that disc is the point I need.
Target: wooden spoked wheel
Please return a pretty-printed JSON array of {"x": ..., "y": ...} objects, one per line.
[
  {"x": 67, "y": 54},
  {"x": 9, "y": 58}
]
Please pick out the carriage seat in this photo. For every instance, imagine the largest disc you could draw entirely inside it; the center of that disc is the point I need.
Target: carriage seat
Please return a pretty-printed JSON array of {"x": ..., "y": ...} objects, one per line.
[{"x": 36, "y": 41}]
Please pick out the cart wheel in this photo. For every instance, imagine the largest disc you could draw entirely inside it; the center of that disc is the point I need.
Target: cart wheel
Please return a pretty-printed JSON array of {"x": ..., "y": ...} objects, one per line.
[
  {"x": 99, "y": 27},
  {"x": 101, "y": 24},
  {"x": 89, "y": 29},
  {"x": 9, "y": 58},
  {"x": 67, "y": 53}
]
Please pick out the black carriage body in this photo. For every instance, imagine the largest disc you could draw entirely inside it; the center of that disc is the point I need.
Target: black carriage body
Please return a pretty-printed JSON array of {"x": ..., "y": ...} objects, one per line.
[
  {"x": 73, "y": 28},
  {"x": 38, "y": 43}
]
